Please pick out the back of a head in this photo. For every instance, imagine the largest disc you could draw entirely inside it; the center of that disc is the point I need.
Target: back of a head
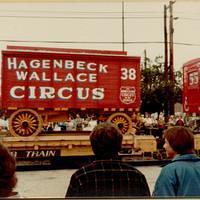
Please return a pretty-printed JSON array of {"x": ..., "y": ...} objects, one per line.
[
  {"x": 107, "y": 176},
  {"x": 181, "y": 139},
  {"x": 8, "y": 178},
  {"x": 106, "y": 140}
]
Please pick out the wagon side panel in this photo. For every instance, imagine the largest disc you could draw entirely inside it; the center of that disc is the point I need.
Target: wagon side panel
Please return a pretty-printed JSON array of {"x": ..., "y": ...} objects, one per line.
[{"x": 59, "y": 80}]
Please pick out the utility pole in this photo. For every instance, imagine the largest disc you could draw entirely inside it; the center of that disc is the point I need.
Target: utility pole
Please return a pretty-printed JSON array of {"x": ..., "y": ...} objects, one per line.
[
  {"x": 122, "y": 25},
  {"x": 169, "y": 69},
  {"x": 145, "y": 59},
  {"x": 171, "y": 57},
  {"x": 166, "y": 69},
  {"x": 166, "y": 45}
]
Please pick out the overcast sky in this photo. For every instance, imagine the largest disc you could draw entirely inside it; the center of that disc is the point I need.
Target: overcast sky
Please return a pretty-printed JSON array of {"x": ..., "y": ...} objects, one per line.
[{"x": 99, "y": 26}]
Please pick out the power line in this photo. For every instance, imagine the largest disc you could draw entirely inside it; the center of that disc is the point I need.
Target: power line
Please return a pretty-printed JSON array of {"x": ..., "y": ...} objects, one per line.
[
  {"x": 186, "y": 44},
  {"x": 189, "y": 18},
  {"x": 93, "y": 12},
  {"x": 91, "y": 18},
  {"x": 78, "y": 12},
  {"x": 96, "y": 42},
  {"x": 66, "y": 17}
]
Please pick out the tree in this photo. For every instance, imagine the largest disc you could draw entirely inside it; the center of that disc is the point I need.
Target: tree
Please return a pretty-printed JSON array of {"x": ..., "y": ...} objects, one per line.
[{"x": 155, "y": 91}]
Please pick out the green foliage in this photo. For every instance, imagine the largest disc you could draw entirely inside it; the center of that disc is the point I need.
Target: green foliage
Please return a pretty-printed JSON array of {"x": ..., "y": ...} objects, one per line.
[{"x": 155, "y": 90}]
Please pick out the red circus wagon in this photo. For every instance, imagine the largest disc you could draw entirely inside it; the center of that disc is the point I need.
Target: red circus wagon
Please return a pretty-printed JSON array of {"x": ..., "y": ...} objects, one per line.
[
  {"x": 42, "y": 85},
  {"x": 191, "y": 86}
]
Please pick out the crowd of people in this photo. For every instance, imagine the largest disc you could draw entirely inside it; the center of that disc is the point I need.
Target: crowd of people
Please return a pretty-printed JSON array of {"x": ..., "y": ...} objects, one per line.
[
  {"x": 154, "y": 124},
  {"x": 109, "y": 177},
  {"x": 148, "y": 120},
  {"x": 76, "y": 123},
  {"x": 147, "y": 124}
]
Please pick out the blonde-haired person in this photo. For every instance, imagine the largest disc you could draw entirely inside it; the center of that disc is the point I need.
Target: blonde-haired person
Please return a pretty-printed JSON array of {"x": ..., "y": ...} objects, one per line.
[
  {"x": 181, "y": 177},
  {"x": 8, "y": 179}
]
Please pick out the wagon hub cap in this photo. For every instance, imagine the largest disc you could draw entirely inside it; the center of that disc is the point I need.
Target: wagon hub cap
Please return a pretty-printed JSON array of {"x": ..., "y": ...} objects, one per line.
[{"x": 120, "y": 125}]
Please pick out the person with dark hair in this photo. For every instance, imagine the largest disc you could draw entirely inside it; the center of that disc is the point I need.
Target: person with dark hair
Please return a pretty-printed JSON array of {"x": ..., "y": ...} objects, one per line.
[
  {"x": 181, "y": 177},
  {"x": 8, "y": 179},
  {"x": 107, "y": 176}
]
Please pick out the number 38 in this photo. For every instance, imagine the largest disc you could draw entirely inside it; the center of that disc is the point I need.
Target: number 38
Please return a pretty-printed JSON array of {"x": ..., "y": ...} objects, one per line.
[{"x": 128, "y": 74}]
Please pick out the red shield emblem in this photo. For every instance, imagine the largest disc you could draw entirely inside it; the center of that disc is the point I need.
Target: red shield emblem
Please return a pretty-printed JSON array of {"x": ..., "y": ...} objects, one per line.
[{"x": 127, "y": 94}]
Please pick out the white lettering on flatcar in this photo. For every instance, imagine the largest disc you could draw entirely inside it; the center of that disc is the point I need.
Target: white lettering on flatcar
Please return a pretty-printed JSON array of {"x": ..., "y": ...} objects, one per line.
[
  {"x": 15, "y": 64},
  {"x": 43, "y": 76},
  {"x": 64, "y": 79},
  {"x": 35, "y": 154},
  {"x": 39, "y": 154},
  {"x": 45, "y": 92}
]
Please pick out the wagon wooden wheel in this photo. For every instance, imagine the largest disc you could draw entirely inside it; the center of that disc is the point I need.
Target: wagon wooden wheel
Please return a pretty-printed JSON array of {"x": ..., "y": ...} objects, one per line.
[
  {"x": 122, "y": 121},
  {"x": 25, "y": 122}
]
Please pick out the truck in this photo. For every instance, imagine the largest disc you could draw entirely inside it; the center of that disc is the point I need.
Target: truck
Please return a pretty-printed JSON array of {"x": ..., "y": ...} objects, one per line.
[{"x": 42, "y": 85}]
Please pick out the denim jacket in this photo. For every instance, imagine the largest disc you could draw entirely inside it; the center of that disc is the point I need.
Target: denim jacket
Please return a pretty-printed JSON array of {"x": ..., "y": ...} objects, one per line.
[{"x": 179, "y": 178}]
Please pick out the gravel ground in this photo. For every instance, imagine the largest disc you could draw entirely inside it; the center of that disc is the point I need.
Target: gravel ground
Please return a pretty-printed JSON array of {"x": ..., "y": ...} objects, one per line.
[{"x": 54, "y": 183}]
